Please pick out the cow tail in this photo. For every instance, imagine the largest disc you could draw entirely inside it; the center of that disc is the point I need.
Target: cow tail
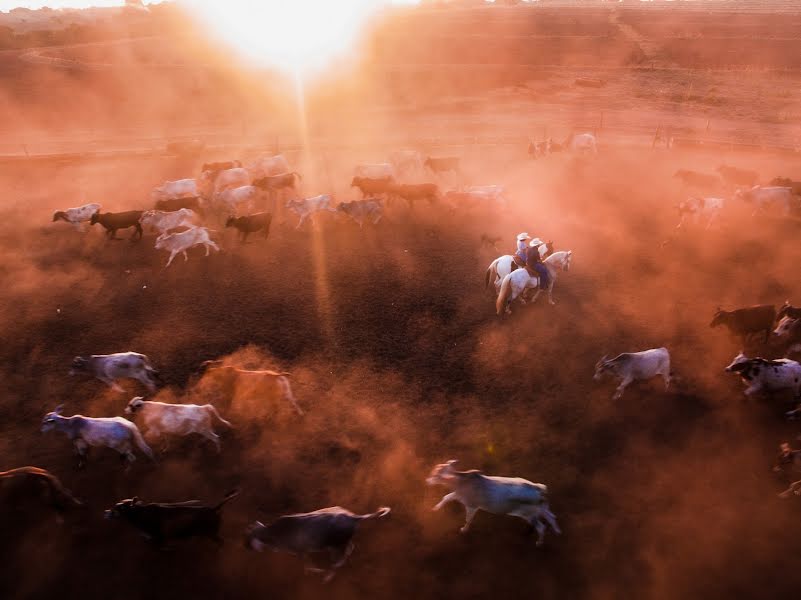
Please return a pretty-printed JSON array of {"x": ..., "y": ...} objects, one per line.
[
  {"x": 141, "y": 443},
  {"x": 229, "y": 496},
  {"x": 506, "y": 291},
  {"x": 219, "y": 418},
  {"x": 381, "y": 512}
]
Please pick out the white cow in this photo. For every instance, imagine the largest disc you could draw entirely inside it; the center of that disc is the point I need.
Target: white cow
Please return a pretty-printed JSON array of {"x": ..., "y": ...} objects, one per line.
[
  {"x": 635, "y": 366},
  {"x": 116, "y": 433},
  {"x": 181, "y": 188},
  {"x": 215, "y": 182},
  {"x": 108, "y": 368},
  {"x": 512, "y": 496},
  {"x": 581, "y": 143},
  {"x": 763, "y": 375},
  {"x": 176, "y": 419},
  {"x": 708, "y": 209},
  {"x": 78, "y": 215},
  {"x": 306, "y": 207},
  {"x": 374, "y": 171},
  {"x": 266, "y": 166},
  {"x": 163, "y": 221},
  {"x": 239, "y": 200},
  {"x": 470, "y": 196},
  {"x": 779, "y": 199},
  {"x": 181, "y": 242}
]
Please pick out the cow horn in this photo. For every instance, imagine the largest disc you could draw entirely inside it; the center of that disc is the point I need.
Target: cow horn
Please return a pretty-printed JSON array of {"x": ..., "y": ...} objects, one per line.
[{"x": 58, "y": 408}]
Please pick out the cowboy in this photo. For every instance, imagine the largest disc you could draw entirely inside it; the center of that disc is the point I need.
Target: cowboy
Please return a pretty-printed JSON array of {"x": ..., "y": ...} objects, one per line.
[
  {"x": 519, "y": 257},
  {"x": 534, "y": 265}
]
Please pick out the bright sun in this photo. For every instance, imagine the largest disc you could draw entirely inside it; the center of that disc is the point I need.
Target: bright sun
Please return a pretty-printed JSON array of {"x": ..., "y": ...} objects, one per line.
[{"x": 299, "y": 36}]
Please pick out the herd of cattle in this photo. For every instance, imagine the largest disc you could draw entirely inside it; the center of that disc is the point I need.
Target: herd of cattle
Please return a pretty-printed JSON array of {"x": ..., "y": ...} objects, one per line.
[{"x": 230, "y": 191}]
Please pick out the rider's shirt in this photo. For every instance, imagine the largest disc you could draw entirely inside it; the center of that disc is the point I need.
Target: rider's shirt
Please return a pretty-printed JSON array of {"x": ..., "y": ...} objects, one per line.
[{"x": 521, "y": 250}]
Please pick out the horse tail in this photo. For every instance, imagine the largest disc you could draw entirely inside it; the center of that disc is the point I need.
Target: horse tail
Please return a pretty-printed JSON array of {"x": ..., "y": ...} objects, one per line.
[
  {"x": 506, "y": 291},
  {"x": 490, "y": 271}
]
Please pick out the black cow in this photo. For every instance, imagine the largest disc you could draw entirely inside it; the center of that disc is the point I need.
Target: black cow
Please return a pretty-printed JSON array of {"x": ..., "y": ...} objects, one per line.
[
  {"x": 114, "y": 221},
  {"x": 369, "y": 187},
  {"x": 328, "y": 529},
  {"x": 159, "y": 522},
  {"x": 415, "y": 191},
  {"x": 737, "y": 176},
  {"x": 31, "y": 487},
  {"x": 251, "y": 224},
  {"x": 746, "y": 322}
]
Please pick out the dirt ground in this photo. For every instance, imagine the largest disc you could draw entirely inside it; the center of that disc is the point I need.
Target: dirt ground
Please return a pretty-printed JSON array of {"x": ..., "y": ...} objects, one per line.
[{"x": 399, "y": 361}]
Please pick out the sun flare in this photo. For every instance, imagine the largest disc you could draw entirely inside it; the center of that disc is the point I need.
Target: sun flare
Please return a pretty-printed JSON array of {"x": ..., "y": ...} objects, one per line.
[{"x": 297, "y": 35}]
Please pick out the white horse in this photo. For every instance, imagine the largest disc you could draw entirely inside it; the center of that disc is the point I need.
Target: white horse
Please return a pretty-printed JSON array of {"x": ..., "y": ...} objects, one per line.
[
  {"x": 582, "y": 143},
  {"x": 502, "y": 266},
  {"x": 519, "y": 281}
]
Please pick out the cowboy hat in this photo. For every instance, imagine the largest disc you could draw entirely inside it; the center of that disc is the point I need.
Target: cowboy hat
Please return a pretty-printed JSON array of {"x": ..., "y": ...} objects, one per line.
[
  {"x": 536, "y": 242},
  {"x": 523, "y": 237}
]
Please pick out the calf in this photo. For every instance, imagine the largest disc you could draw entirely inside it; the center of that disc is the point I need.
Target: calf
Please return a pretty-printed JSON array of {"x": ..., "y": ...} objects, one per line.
[
  {"x": 635, "y": 366},
  {"x": 736, "y": 176},
  {"x": 328, "y": 529},
  {"x": 372, "y": 187},
  {"x": 160, "y": 522},
  {"x": 180, "y": 242},
  {"x": 761, "y": 375},
  {"x": 359, "y": 210},
  {"x": 412, "y": 192},
  {"x": 173, "y": 204},
  {"x": 513, "y": 496},
  {"x": 306, "y": 207},
  {"x": 701, "y": 181},
  {"x": 78, "y": 215},
  {"x": 114, "y": 221},
  {"x": 165, "y": 221},
  {"x": 116, "y": 433},
  {"x": 442, "y": 164},
  {"x": 121, "y": 365},
  {"x": 271, "y": 384},
  {"x": 176, "y": 419},
  {"x": 746, "y": 322},
  {"x": 251, "y": 224},
  {"x": 22, "y": 486}
]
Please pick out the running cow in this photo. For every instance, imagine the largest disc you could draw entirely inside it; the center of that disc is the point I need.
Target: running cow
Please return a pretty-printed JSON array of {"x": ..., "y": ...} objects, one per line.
[{"x": 746, "y": 322}]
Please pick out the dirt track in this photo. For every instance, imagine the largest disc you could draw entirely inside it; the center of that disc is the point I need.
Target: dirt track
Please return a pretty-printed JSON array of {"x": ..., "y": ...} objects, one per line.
[{"x": 397, "y": 357}]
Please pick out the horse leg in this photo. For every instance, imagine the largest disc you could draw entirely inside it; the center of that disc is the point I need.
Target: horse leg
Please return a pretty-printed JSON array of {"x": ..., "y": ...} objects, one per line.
[{"x": 550, "y": 293}]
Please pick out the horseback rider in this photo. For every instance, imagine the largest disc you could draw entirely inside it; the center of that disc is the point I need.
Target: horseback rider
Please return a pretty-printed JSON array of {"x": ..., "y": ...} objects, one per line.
[
  {"x": 519, "y": 257},
  {"x": 534, "y": 265}
]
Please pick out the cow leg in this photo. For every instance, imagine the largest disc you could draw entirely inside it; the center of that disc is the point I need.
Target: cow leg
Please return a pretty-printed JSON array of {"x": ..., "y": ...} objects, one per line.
[
  {"x": 621, "y": 388},
  {"x": 214, "y": 247},
  {"x": 666, "y": 378},
  {"x": 82, "y": 450},
  {"x": 470, "y": 513},
  {"x": 445, "y": 499},
  {"x": 537, "y": 523},
  {"x": 186, "y": 256},
  {"x": 340, "y": 555},
  {"x": 169, "y": 260},
  {"x": 112, "y": 384}
]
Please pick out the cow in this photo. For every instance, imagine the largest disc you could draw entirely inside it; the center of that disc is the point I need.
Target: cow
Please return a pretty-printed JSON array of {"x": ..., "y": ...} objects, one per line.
[
  {"x": 173, "y": 204},
  {"x": 108, "y": 368},
  {"x": 177, "y": 243},
  {"x": 175, "y": 189},
  {"x": 21, "y": 487},
  {"x": 244, "y": 198},
  {"x": 443, "y": 164},
  {"x": 372, "y": 187},
  {"x": 476, "y": 196},
  {"x": 161, "y": 522},
  {"x": 700, "y": 181},
  {"x": 176, "y": 419},
  {"x": 406, "y": 162},
  {"x": 788, "y": 333},
  {"x": 708, "y": 209},
  {"x": 78, "y": 215},
  {"x": 269, "y": 165},
  {"x": 251, "y": 224},
  {"x": 359, "y": 210},
  {"x": 214, "y": 183},
  {"x": 788, "y": 310},
  {"x": 581, "y": 143},
  {"x": 735, "y": 176},
  {"x": 513, "y": 496},
  {"x": 635, "y": 366},
  {"x": 762, "y": 375},
  {"x": 116, "y": 433},
  {"x": 306, "y": 207},
  {"x": 114, "y": 221},
  {"x": 412, "y": 192},
  {"x": 220, "y": 166},
  {"x": 746, "y": 322},
  {"x": 374, "y": 171},
  {"x": 276, "y": 183},
  {"x": 328, "y": 529},
  {"x": 165, "y": 221},
  {"x": 778, "y": 199},
  {"x": 271, "y": 384},
  {"x": 795, "y": 186}
]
